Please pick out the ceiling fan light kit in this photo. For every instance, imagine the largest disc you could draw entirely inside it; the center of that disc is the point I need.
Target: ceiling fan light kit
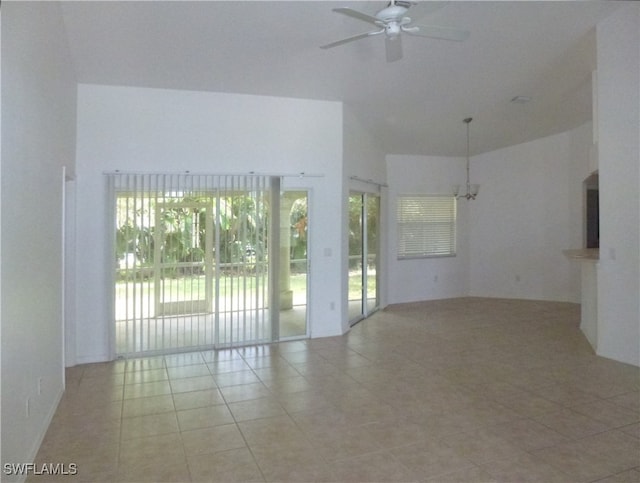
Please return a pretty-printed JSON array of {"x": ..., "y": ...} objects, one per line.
[{"x": 392, "y": 22}]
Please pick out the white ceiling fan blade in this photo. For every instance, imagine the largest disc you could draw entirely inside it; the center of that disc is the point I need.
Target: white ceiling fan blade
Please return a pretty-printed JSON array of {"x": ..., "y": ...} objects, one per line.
[
  {"x": 359, "y": 15},
  {"x": 435, "y": 32},
  {"x": 351, "y": 39},
  {"x": 393, "y": 47}
]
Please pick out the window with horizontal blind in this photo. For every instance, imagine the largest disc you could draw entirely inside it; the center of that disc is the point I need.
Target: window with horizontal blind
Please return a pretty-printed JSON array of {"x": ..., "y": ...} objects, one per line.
[{"x": 426, "y": 226}]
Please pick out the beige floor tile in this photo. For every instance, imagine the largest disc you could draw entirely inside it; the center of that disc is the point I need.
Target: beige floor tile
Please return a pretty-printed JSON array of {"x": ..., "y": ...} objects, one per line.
[
  {"x": 379, "y": 466},
  {"x": 570, "y": 423},
  {"x": 145, "y": 364},
  {"x": 154, "y": 424},
  {"x": 204, "y": 417},
  {"x": 594, "y": 457},
  {"x": 398, "y": 432},
  {"x": 288, "y": 385},
  {"x": 190, "y": 384},
  {"x": 97, "y": 391},
  {"x": 529, "y": 405},
  {"x": 143, "y": 406},
  {"x": 343, "y": 443},
  {"x": 564, "y": 395},
  {"x": 467, "y": 475},
  {"x": 157, "y": 458},
  {"x": 291, "y": 460},
  {"x": 632, "y": 429},
  {"x": 316, "y": 368},
  {"x": 630, "y": 476},
  {"x": 96, "y": 462},
  {"x": 482, "y": 446},
  {"x": 431, "y": 459},
  {"x": 468, "y": 390},
  {"x": 527, "y": 434},
  {"x": 81, "y": 409},
  {"x": 213, "y": 439},
  {"x": 629, "y": 400},
  {"x": 524, "y": 468},
  {"x": 183, "y": 359},
  {"x": 273, "y": 362},
  {"x": 608, "y": 413},
  {"x": 572, "y": 461},
  {"x": 266, "y": 374},
  {"x": 439, "y": 426},
  {"x": 197, "y": 399},
  {"x": 244, "y": 392},
  {"x": 320, "y": 420},
  {"x": 171, "y": 467},
  {"x": 303, "y": 401},
  {"x": 224, "y": 367},
  {"x": 140, "y": 377},
  {"x": 620, "y": 450},
  {"x": 236, "y": 378},
  {"x": 133, "y": 451},
  {"x": 193, "y": 370},
  {"x": 236, "y": 465},
  {"x": 256, "y": 409},
  {"x": 77, "y": 433},
  {"x": 273, "y": 430},
  {"x": 148, "y": 389}
]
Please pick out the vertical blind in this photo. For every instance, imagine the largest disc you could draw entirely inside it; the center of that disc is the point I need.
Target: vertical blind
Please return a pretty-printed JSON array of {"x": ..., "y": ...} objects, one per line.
[
  {"x": 191, "y": 261},
  {"x": 426, "y": 226}
]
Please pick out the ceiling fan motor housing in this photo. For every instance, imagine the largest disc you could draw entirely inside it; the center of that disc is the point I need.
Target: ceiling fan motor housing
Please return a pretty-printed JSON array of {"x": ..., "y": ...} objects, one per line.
[{"x": 393, "y": 12}]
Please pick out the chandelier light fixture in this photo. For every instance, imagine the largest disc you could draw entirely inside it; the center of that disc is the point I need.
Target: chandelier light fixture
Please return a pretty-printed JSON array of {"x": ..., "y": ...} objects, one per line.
[{"x": 472, "y": 189}]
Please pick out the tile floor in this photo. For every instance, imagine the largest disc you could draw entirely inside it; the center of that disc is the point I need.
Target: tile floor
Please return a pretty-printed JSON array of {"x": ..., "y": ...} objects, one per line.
[{"x": 468, "y": 390}]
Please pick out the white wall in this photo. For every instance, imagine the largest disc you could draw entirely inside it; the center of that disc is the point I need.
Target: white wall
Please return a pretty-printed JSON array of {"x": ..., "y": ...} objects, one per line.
[
  {"x": 364, "y": 160},
  {"x": 38, "y": 134},
  {"x": 154, "y": 130},
  {"x": 618, "y": 127},
  {"x": 428, "y": 278},
  {"x": 583, "y": 164},
  {"x": 529, "y": 209},
  {"x": 522, "y": 220}
]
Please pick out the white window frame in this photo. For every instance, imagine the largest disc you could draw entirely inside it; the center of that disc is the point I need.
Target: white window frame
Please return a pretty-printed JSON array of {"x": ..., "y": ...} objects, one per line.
[{"x": 426, "y": 226}]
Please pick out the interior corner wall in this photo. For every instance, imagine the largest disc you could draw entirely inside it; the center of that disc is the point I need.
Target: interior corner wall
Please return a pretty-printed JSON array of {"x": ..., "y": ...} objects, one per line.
[
  {"x": 583, "y": 163},
  {"x": 362, "y": 159},
  {"x": 522, "y": 220},
  {"x": 159, "y": 131},
  {"x": 618, "y": 127},
  {"x": 38, "y": 140},
  {"x": 426, "y": 278}
]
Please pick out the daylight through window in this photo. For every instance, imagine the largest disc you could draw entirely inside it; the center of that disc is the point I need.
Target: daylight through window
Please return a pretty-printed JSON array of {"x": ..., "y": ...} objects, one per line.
[{"x": 426, "y": 226}]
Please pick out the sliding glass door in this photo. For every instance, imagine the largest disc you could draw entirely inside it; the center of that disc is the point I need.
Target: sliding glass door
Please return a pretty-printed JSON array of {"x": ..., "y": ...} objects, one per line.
[
  {"x": 207, "y": 261},
  {"x": 363, "y": 286},
  {"x": 293, "y": 261}
]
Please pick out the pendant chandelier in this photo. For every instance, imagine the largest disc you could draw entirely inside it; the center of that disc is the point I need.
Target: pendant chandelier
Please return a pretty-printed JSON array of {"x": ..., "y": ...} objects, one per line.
[{"x": 472, "y": 189}]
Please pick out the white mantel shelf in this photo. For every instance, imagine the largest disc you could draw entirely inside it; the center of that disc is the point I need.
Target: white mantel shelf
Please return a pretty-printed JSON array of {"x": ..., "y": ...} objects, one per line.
[{"x": 586, "y": 254}]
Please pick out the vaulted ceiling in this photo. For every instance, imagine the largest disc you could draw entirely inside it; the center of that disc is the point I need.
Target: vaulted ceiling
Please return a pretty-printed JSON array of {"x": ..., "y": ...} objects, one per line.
[{"x": 542, "y": 50}]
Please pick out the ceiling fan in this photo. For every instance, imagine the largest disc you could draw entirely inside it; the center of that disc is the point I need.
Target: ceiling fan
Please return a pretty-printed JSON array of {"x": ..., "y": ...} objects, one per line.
[{"x": 392, "y": 22}]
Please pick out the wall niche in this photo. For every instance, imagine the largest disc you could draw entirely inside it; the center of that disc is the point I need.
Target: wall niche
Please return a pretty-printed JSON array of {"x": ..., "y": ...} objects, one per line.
[{"x": 592, "y": 211}]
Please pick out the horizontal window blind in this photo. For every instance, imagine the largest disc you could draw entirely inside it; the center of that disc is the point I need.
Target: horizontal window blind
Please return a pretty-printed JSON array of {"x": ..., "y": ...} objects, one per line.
[{"x": 426, "y": 226}]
